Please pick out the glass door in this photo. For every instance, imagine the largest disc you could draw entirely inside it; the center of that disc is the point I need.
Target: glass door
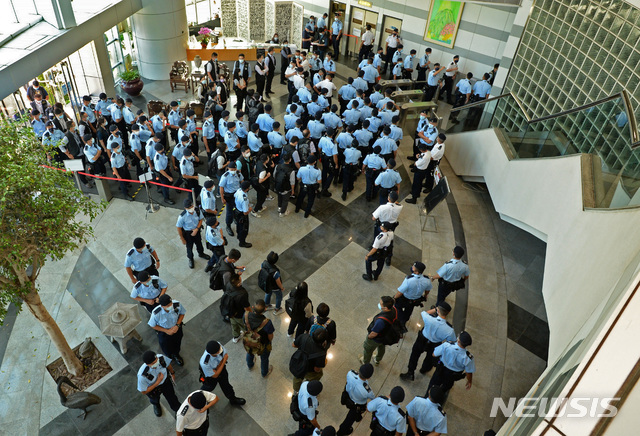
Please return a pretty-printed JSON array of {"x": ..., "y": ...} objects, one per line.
[
  {"x": 358, "y": 25},
  {"x": 114, "y": 48},
  {"x": 387, "y": 23}
]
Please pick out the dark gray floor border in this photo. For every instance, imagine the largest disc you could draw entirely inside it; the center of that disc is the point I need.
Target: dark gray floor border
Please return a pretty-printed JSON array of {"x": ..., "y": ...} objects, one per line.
[{"x": 6, "y": 328}]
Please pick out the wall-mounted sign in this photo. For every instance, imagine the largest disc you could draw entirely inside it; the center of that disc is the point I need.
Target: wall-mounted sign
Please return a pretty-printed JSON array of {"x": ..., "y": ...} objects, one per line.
[{"x": 365, "y": 3}]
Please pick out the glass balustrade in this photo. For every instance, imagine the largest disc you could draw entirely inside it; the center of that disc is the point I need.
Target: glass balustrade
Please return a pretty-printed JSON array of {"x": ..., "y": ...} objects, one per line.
[{"x": 600, "y": 129}]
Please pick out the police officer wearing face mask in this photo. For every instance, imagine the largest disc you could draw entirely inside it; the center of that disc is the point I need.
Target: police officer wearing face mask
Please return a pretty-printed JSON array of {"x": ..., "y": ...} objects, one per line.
[
  {"x": 209, "y": 134},
  {"x": 153, "y": 381},
  {"x": 336, "y": 34},
  {"x": 355, "y": 395},
  {"x": 242, "y": 210},
  {"x": 148, "y": 290},
  {"x": 163, "y": 174},
  {"x": 188, "y": 225},
  {"x": 213, "y": 372},
  {"x": 229, "y": 184},
  {"x": 120, "y": 169},
  {"x": 413, "y": 290},
  {"x": 187, "y": 172},
  {"x": 166, "y": 320},
  {"x": 450, "y": 78}
]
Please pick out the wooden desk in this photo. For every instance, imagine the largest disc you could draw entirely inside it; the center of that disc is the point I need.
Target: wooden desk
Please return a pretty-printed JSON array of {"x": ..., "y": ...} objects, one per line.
[{"x": 225, "y": 54}]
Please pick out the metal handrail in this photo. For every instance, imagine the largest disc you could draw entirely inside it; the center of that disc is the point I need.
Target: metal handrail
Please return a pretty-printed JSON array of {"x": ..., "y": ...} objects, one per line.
[{"x": 624, "y": 95}]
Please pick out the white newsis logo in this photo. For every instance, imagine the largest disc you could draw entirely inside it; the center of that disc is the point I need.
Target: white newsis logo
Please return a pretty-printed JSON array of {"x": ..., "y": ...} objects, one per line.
[{"x": 578, "y": 407}]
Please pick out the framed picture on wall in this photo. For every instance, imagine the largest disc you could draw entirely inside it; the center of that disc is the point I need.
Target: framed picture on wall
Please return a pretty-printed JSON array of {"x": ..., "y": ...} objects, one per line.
[{"x": 443, "y": 22}]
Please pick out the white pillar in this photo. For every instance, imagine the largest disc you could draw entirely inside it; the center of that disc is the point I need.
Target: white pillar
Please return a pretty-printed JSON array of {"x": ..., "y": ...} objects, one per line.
[
  {"x": 102, "y": 55},
  {"x": 161, "y": 33}
]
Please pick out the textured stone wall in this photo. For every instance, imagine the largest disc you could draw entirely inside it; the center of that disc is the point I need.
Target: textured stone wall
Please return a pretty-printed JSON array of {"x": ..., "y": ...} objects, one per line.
[
  {"x": 229, "y": 18},
  {"x": 243, "y": 25}
]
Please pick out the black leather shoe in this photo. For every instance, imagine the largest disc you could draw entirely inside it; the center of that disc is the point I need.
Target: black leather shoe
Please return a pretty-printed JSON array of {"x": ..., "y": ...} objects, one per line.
[
  {"x": 230, "y": 232},
  {"x": 413, "y": 158},
  {"x": 326, "y": 193},
  {"x": 191, "y": 263},
  {"x": 387, "y": 261},
  {"x": 208, "y": 268},
  {"x": 411, "y": 200},
  {"x": 424, "y": 370},
  {"x": 157, "y": 409},
  {"x": 238, "y": 401},
  {"x": 407, "y": 376},
  {"x": 170, "y": 201},
  {"x": 366, "y": 277},
  {"x": 178, "y": 359},
  {"x": 426, "y": 190},
  {"x": 246, "y": 245},
  {"x": 344, "y": 196},
  {"x": 204, "y": 256}
]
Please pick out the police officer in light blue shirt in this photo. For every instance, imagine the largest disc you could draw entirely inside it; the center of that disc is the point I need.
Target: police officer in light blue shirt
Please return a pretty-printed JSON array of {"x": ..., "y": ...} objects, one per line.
[
  {"x": 242, "y": 210},
  {"x": 114, "y": 138},
  {"x": 455, "y": 361},
  {"x": 397, "y": 55},
  {"x": 346, "y": 93},
  {"x": 189, "y": 223},
  {"x": 296, "y": 131},
  {"x": 387, "y": 145},
  {"x": 352, "y": 115},
  {"x": 209, "y": 134},
  {"x": 436, "y": 330},
  {"x": 275, "y": 138},
  {"x": 208, "y": 199},
  {"x": 310, "y": 177},
  {"x": 147, "y": 290},
  {"x": 241, "y": 130},
  {"x": 425, "y": 415},
  {"x": 143, "y": 130},
  {"x": 178, "y": 151},
  {"x": 360, "y": 83},
  {"x": 427, "y": 131},
  {"x": 376, "y": 96},
  {"x": 482, "y": 88},
  {"x": 222, "y": 123},
  {"x": 153, "y": 381},
  {"x": 93, "y": 154},
  {"x": 359, "y": 393},
  {"x": 371, "y": 166},
  {"x": 389, "y": 416},
  {"x": 229, "y": 184},
  {"x": 370, "y": 74},
  {"x": 396, "y": 132},
  {"x": 452, "y": 271},
  {"x": 36, "y": 124},
  {"x": 304, "y": 94},
  {"x": 329, "y": 65},
  {"x": 127, "y": 113},
  {"x": 329, "y": 156},
  {"x": 463, "y": 95},
  {"x": 352, "y": 158},
  {"x": 213, "y": 365},
  {"x": 382, "y": 103},
  {"x": 408, "y": 65},
  {"x": 265, "y": 120},
  {"x": 103, "y": 105},
  {"x": 290, "y": 119},
  {"x": 374, "y": 122},
  {"x": 411, "y": 292},
  {"x": 331, "y": 120},
  {"x": 231, "y": 141},
  {"x": 345, "y": 139},
  {"x": 397, "y": 71},
  {"x": 166, "y": 320},
  {"x": 366, "y": 109},
  {"x": 116, "y": 112},
  {"x": 316, "y": 128},
  {"x": 364, "y": 137},
  {"x": 388, "y": 180},
  {"x": 253, "y": 140},
  {"x": 141, "y": 258},
  {"x": 86, "y": 108},
  {"x": 135, "y": 142}
]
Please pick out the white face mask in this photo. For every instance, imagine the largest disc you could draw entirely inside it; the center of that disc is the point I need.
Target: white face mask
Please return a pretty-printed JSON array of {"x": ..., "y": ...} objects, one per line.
[
  {"x": 191, "y": 210},
  {"x": 156, "y": 365},
  {"x": 167, "y": 309},
  {"x": 379, "y": 306}
]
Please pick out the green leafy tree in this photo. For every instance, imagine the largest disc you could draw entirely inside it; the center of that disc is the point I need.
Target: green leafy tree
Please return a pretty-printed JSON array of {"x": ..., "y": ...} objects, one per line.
[{"x": 38, "y": 222}]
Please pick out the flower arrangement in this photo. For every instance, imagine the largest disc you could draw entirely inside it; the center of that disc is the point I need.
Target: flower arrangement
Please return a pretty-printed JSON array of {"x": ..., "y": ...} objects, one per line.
[{"x": 206, "y": 35}]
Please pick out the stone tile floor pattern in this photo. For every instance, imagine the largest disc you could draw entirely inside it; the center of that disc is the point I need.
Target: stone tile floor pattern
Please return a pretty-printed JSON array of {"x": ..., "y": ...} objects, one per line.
[{"x": 504, "y": 310}]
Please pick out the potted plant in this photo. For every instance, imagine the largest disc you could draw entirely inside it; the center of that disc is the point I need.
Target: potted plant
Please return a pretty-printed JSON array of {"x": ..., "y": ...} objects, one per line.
[
  {"x": 131, "y": 82},
  {"x": 206, "y": 36}
]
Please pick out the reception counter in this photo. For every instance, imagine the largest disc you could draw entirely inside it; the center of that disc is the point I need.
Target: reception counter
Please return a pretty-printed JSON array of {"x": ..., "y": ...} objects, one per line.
[{"x": 229, "y": 52}]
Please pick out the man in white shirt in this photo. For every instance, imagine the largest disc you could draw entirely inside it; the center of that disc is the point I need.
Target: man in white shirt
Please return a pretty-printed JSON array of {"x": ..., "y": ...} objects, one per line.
[
  {"x": 421, "y": 170},
  {"x": 390, "y": 47},
  {"x": 450, "y": 78},
  {"x": 388, "y": 213},
  {"x": 193, "y": 414},
  {"x": 366, "y": 44},
  {"x": 327, "y": 84}
]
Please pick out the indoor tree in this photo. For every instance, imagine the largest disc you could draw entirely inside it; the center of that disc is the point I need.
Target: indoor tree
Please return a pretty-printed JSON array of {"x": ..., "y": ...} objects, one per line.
[{"x": 39, "y": 207}]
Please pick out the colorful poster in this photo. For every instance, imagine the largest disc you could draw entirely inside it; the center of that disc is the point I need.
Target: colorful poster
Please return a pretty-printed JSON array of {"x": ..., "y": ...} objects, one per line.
[{"x": 443, "y": 22}]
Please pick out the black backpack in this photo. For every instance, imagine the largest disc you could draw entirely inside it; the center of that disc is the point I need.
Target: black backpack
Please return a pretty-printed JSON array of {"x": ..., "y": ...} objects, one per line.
[
  {"x": 226, "y": 304},
  {"x": 283, "y": 172},
  {"x": 393, "y": 331},
  {"x": 216, "y": 279},
  {"x": 265, "y": 276},
  {"x": 299, "y": 362}
]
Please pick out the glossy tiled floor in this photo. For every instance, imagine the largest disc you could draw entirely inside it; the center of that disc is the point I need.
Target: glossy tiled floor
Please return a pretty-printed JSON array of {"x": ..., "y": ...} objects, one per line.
[{"x": 502, "y": 308}]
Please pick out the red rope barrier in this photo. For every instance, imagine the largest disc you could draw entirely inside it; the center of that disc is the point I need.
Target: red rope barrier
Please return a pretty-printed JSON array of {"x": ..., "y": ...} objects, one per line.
[{"x": 116, "y": 179}]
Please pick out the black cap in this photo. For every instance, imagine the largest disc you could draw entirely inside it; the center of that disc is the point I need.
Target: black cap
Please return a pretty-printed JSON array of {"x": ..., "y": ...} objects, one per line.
[
  {"x": 173, "y": 103},
  {"x": 143, "y": 276},
  {"x": 213, "y": 347},
  {"x": 239, "y": 114},
  {"x": 397, "y": 395},
  {"x": 366, "y": 370},
  {"x": 314, "y": 387},
  {"x": 465, "y": 339},
  {"x": 233, "y": 165},
  {"x": 311, "y": 159},
  {"x": 49, "y": 123},
  {"x": 328, "y": 431},
  {"x": 113, "y": 128},
  {"x": 420, "y": 267},
  {"x": 158, "y": 147},
  {"x": 436, "y": 394},
  {"x": 207, "y": 114},
  {"x": 184, "y": 138},
  {"x": 148, "y": 356},
  {"x": 458, "y": 251},
  {"x": 208, "y": 184},
  {"x": 159, "y": 135},
  {"x": 445, "y": 306},
  {"x": 188, "y": 202},
  {"x": 330, "y": 131},
  {"x": 135, "y": 127},
  {"x": 386, "y": 225},
  {"x": 138, "y": 243},
  {"x": 198, "y": 400},
  {"x": 191, "y": 113},
  {"x": 245, "y": 185},
  {"x": 87, "y": 137},
  {"x": 182, "y": 123},
  {"x": 164, "y": 300}
]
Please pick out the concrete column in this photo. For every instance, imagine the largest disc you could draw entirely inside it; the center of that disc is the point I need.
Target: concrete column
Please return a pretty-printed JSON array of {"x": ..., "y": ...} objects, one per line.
[
  {"x": 104, "y": 65},
  {"x": 161, "y": 34}
]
